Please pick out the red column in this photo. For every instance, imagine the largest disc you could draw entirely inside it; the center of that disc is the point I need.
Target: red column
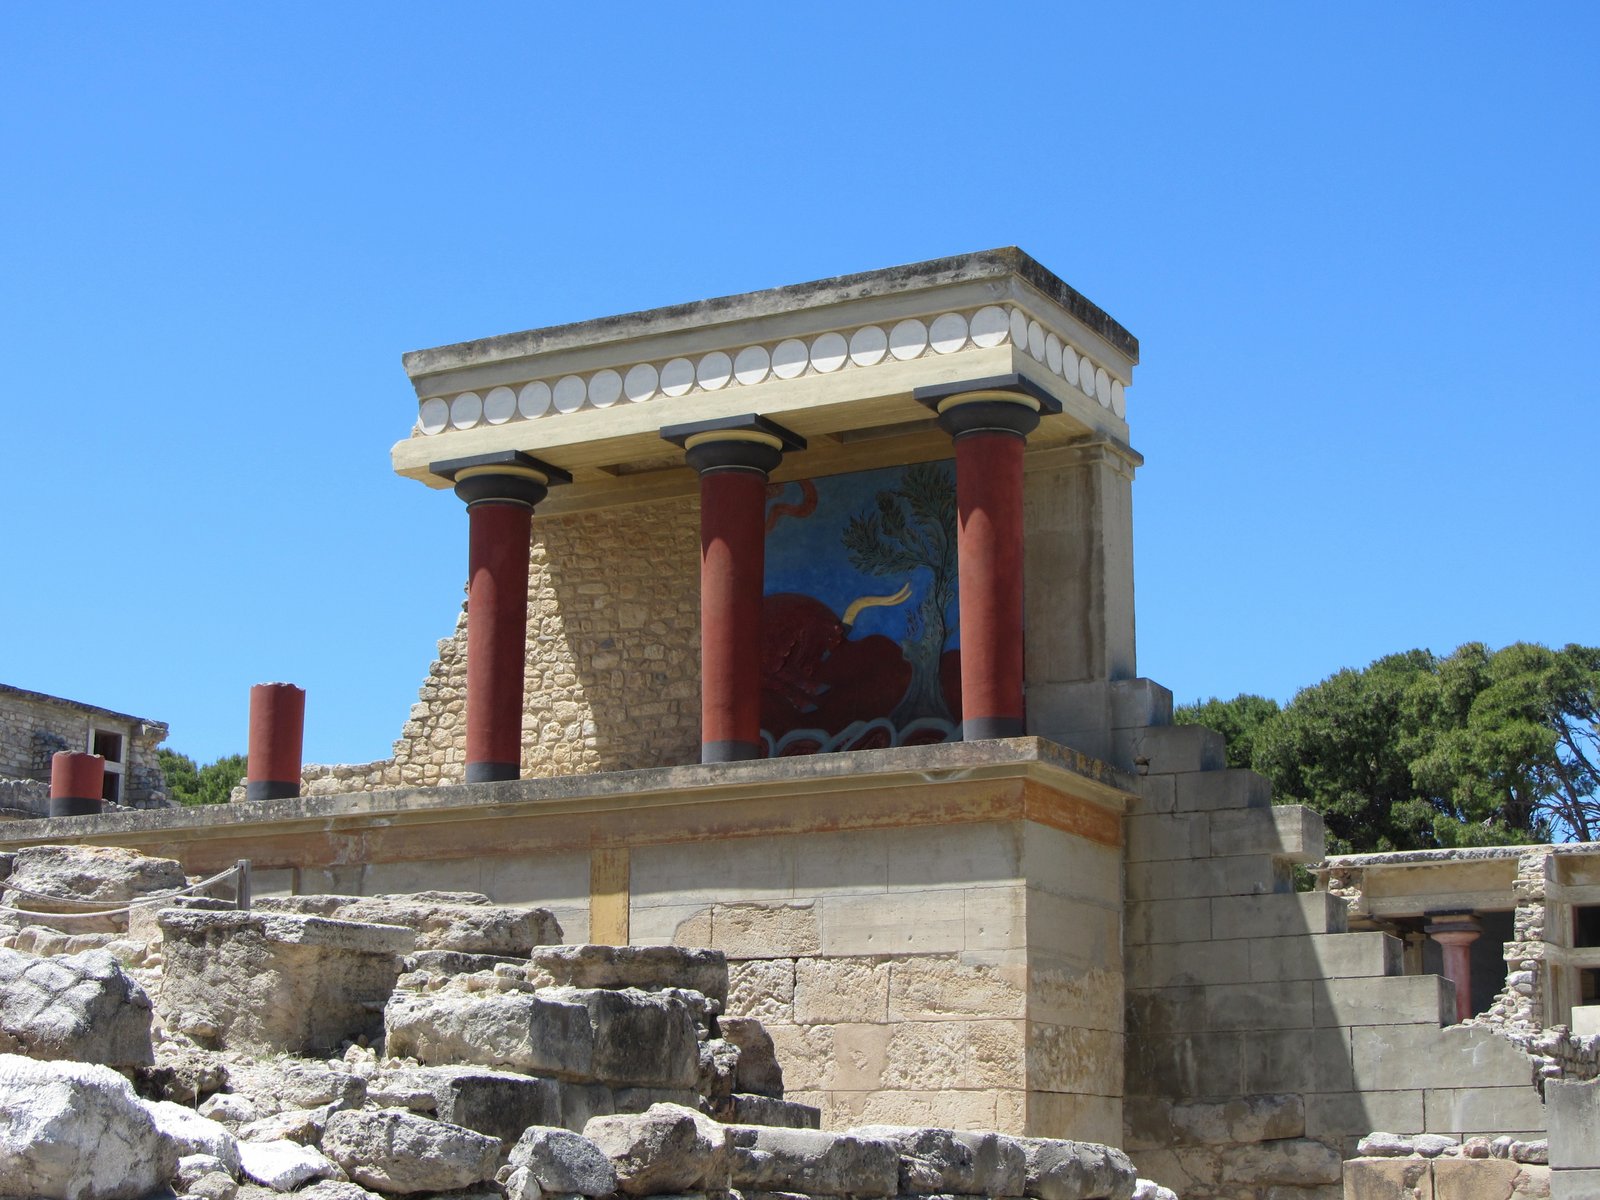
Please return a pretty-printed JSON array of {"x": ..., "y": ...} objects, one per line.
[
  {"x": 733, "y": 456},
  {"x": 1455, "y": 935},
  {"x": 990, "y": 421},
  {"x": 989, "y": 550},
  {"x": 497, "y": 631},
  {"x": 277, "y": 737},
  {"x": 500, "y": 490},
  {"x": 732, "y": 569},
  {"x": 77, "y": 782}
]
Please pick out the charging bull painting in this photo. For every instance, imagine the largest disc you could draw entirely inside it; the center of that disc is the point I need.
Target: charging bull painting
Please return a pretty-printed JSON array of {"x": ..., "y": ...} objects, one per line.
[{"x": 860, "y": 644}]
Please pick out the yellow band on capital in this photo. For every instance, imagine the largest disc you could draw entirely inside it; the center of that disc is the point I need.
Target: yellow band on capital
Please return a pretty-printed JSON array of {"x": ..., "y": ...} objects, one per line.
[
  {"x": 506, "y": 469},
  {"x": 985, "y": 397},
  {"x": 732, "y": 435}
]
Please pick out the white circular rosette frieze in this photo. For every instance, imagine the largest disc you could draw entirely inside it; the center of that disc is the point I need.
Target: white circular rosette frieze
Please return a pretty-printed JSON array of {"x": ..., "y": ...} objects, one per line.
[{"x": 860, "y": 347}]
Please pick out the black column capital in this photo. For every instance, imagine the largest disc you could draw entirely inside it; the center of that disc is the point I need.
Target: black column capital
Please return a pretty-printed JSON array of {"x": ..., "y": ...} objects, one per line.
[
  {"x": 743, "y": 443},
  {"x": 998, "y": 404},
  {"x": 500, "y": 477}
]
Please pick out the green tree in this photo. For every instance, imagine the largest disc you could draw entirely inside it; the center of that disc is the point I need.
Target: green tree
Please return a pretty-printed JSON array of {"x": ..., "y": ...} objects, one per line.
[
  {"x": 1237, "y": 720},
  {"x": 188, "y": 783}
]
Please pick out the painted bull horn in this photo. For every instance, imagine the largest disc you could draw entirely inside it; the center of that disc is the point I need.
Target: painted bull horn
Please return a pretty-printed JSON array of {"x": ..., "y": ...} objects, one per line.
[{"x": 854, "y": 611}]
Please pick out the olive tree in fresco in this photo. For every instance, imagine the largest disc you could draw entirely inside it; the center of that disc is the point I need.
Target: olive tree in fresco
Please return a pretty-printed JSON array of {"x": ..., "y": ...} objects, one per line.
[{"x": 913, "y": 526}]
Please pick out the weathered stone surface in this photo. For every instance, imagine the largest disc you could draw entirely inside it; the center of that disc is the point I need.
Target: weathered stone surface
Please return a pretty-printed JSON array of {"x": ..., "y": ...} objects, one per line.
[
  {"x": 641, "y": 1039},
  {"x": 108, "y": 874},
  {"x": 462, "y": 921},
  {"x": 229, "y": 1109},
  {"x": 498, "y": 1103},
  {"x": 279, "y": 1084},
  {"x": 266, "y": 982},
  {"x": 1247, "y": 1119},
  {"x": 333, "y": 1189},
  {"x": 1058, "y": 1169},
  {"x": 1294, "y": 1161},
  {"x": 194, "y": 1134},
  {"x": 303, "y": 1125},
  {"x": 1149, "y": 1189},
  {"x": 80, "y": 1008},
  {"x": 1431, "y": 1145},
  {"x": 559, "y": 1160},
  {"x": 813, "y": 1162},
  {"x": 395, "y": 1151},
  {"x": 667, "y": 1149},
  {"x": 195, "y": 1166},
  {"x": 649, "y": 968},
  {"x": 782, "y": 1114},
  {"x": 758, "y": 1072},
  {"x": 1384, "y": 1145},
  {"x": 75, "y": 1131},
  {"x": 946, "y": 1160},
  {"x": 762, "y": 988},
  {"x": 213, "y": 1185},
  {"x": 519, "y": 1030},
  {"x": 284, "y": 1166}
]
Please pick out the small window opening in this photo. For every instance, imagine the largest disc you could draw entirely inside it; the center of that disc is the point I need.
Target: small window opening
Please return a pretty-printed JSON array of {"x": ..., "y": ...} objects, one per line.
[
  {"x": 1589, "y": 985},
  {"x": 108, "y": 745},
  {"x": 1586, "y": 925}
]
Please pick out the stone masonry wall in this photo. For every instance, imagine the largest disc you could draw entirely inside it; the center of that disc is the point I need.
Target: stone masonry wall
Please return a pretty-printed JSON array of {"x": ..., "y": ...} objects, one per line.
[
  {"x": 613, "y": 680},
  {"x": 33, "y": 727}
]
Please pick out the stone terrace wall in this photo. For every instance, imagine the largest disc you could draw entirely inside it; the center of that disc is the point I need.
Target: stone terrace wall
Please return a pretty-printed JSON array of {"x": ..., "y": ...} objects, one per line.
[{"x": 613, "y": 671}]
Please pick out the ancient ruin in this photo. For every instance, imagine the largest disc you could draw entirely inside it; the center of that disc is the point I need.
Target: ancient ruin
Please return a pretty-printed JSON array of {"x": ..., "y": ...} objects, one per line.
[{"x": 786, "y": 814}]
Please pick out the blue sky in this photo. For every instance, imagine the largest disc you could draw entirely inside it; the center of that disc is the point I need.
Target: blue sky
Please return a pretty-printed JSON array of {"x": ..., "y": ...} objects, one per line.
[{"x": 1359, "y": 244}]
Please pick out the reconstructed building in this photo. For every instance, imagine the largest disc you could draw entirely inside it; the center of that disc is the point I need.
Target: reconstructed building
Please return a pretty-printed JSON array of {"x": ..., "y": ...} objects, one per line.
[
  {"x": 800, "y": 625},
  {"x": 35, "y": 726}
]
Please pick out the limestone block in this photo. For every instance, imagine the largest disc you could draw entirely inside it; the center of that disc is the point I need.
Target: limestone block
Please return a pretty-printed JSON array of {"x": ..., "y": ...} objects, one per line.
[
  {"x": 978, "y": 1053},
  {"x": 830, "y": 990},
  {"x": 395, "y": 1151},
  {"x": 745, "y": 870},
  {"x": 1170, "y": 749},
  {"x": 497, "y": 1103},
  {"x": 1083, "y": 1118},
  {"x": 464, "y": 921},
  {"x": 81, "y": 1007},
  {"x": 1301, "y": 1060},
  {"x": 1490, "y": 1110},
  {"x": 302, "y": 1125},
  {"x": 1238, "y": 875},
  {"x": 757, "y": 1071},
  {"x": 1268, "y": 1006},
  {"x": 640, "y": 1039},
  {"x": 564, "y": 1162},
  {"x": 536, "y": 1033},
  {"x": 935, "y": 987},
  {"x": 1073, "y": 930},
  {"x": 985, "y": 854},
  {"x": 1292, "y": 1161},
  {"x": 995, "y": 918},
  {"x": 1288, "y": 831},
  {"x": 109, "y": 874},
  {"x": 1486, "y": 1179},
  {"x": 74, "y": 1131},
  {"x": 1136, "y": 703},
  {"x": 1068, "y": 1170},
  {"x": 1196, "y": 1064},
  {"x": 194, "y": 1134},
  {"x": 1582, "y": 1183},
  {"x": 762, "y": 989},
  {"x": 1245, "y": 1119},
  {"x": 1164, "y": 837},
  {"x": 1337, "y": 1115},
  {"x": 1180, "y": 963},
  {"x": 1154, "y": 922},
  {"x": 1398, "y": 1057},
  {"x": 1573, "y": 1108},
  {"x": 1066, "y": 995},
  {"x": 277, "y": 1085},
  {"x": 649, "y": 968},
  {"x": 842, "y": 864},
  {"x": 948, "y": 1161},
  {"x": 1065, "y": 1058},
  {"x": 1325, "y": 956},
  {"x": 806, "y": 1052},
  {"x": 1388, "y": 1179},
  {"x": 812, "y": 1162},
  {"x": 765, "y": 1110},
  {"x": 285, "y": 1166},
  {"x": 276, "y": 981},
  {"x": 667, "y": 1149},
  {"x": 765, "y": 930},
  {"x": 1068, "y": 865},
  {"x": 948, "y": 1108},
  {"x": 1277, "y": 916},
  {"x": 920, "y": 922},
  {"x": 1386, "y": 1000},
  {"x": 1229, "y": 788}
]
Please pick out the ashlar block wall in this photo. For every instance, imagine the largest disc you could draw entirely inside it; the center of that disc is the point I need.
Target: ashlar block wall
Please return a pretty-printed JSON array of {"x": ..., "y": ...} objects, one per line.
[{"x": 1264, "y": 1039}]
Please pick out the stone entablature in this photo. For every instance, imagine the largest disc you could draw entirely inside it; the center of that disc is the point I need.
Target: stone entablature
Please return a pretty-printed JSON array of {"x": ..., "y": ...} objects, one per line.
[
  {"x": 35, "y": 725},
  {"x": 835, "y": 360}
]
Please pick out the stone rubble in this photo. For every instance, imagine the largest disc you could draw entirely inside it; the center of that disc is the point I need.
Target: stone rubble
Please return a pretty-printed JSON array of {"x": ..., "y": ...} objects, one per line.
[{"x": 357, "y": 1048}]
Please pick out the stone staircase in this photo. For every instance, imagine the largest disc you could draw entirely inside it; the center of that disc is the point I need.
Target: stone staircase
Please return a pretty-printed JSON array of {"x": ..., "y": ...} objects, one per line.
[{"x": 1265, "y": 1038}]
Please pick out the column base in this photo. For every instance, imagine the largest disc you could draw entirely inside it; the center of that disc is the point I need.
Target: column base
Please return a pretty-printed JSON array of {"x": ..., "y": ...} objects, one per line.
[
  {"x": 74, "y": 806},
  {"x": 730, "y": 751},
  {"x": 493, "y": 772},
  {"x": 270, "y": 789},
  {"x": 980, "y": 729}
]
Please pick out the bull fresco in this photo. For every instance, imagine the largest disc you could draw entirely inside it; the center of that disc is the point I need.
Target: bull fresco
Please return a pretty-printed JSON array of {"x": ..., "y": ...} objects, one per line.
[{"x": 860, "y": 641}]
